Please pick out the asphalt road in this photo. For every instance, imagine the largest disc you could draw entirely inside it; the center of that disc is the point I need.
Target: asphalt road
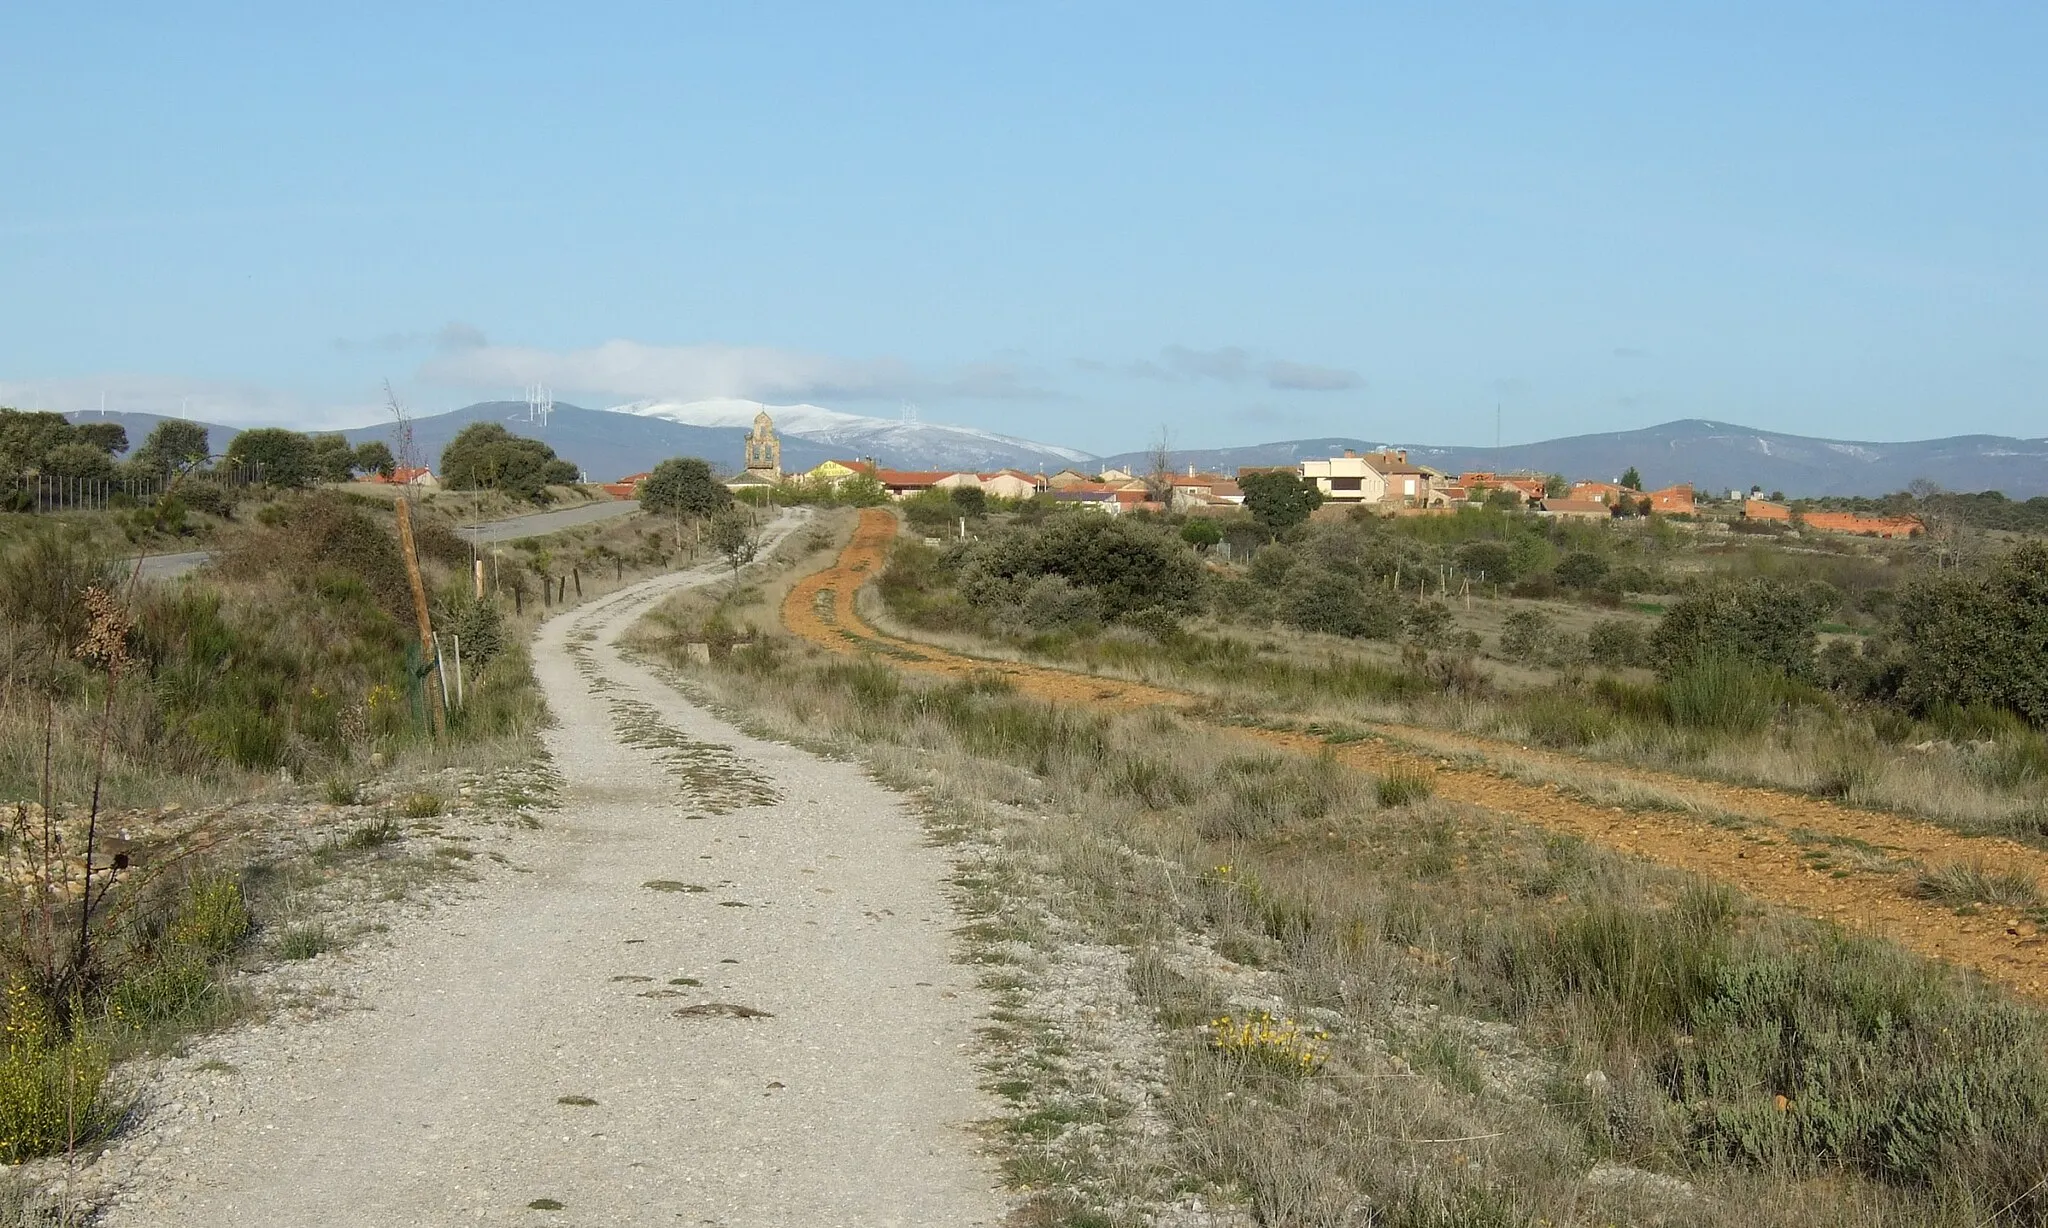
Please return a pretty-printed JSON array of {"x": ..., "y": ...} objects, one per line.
[{"x": 533, "y": 524}]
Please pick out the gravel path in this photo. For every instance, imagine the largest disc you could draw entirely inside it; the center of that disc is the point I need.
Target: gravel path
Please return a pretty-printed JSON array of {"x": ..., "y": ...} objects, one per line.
[{"x": 693, "y": 877}]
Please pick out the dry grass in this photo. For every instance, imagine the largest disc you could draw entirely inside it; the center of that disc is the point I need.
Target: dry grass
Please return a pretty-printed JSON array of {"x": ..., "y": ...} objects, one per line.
[{"x": 1522, "y": 1029}]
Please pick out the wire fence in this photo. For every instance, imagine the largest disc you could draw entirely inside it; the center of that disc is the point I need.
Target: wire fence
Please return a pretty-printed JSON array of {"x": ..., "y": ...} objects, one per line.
[{"x": 52, "y": 493}]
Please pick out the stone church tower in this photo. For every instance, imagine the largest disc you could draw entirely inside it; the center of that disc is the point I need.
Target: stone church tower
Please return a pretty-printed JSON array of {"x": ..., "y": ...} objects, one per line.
[{"x": 764, "y": 450}]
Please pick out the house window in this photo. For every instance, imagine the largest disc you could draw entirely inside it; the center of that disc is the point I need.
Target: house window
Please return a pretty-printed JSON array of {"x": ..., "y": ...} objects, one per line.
[{"x": 1345, "y": 483}]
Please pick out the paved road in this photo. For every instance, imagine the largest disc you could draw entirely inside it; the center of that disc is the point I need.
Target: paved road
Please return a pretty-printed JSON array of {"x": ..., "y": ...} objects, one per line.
[
  {"x": 693, "y": 867},
  {"x": 533, "y": 524}
]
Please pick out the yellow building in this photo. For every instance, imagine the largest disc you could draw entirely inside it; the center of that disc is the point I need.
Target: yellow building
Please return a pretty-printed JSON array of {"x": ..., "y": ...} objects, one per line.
[{"x": 832, "y": 472}]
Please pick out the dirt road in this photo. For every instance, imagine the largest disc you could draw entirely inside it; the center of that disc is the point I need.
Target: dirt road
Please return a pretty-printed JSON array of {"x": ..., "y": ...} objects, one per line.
[
  {"x": 720, "y": 994},
  {"x": 1765, "y": 850}
]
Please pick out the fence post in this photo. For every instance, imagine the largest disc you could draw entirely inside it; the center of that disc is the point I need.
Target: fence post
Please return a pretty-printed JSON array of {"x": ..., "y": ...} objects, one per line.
[{"x": 578, "y": 573}]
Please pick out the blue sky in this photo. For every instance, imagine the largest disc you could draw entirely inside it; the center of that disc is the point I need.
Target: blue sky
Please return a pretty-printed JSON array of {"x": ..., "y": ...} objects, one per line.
[{"x": 1070, "y": 222}]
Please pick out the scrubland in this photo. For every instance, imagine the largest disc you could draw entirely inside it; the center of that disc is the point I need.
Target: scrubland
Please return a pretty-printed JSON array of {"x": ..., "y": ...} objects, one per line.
[{"x": 1365, "y": 1003}]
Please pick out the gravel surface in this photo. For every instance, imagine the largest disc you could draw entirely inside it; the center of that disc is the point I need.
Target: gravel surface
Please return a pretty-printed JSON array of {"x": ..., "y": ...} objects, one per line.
[{"x": 714, "y": 989}]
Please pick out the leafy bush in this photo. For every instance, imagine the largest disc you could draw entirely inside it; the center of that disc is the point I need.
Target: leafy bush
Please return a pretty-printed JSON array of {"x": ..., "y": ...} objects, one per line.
[
  {"x": 1581, "y": 570},
  {"x": 212, "y": 918},
  {"x": 1617, "y": 643},
  {"x": 1523, "y": 633},
  {"x": 52, "y": 1090},
  {"x": 1762, "y": 621},
  {"x": 1967, "y": 640},
  {"x": 1338, "y": 605}
]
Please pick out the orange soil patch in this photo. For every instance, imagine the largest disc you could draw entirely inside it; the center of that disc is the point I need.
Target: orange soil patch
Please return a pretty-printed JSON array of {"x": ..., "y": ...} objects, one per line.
[{"x": 1760, "y": 857}]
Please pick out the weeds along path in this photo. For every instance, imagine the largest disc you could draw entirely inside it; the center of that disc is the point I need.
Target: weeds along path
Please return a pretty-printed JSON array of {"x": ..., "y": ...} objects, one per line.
[
  {"x": 1825, "y": 861},
  {"x": 723, "y": 994}
]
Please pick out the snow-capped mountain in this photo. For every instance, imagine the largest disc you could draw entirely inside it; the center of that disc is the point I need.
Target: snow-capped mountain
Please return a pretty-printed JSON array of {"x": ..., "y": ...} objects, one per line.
[{"x": 902, "y": 444}]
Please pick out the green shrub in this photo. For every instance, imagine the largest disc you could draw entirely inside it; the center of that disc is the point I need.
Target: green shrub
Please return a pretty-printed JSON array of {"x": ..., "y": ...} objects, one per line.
[
  {"x": 1721, "y": 696},
  {"x": 175, "y": 987},
  {"x": 340, "y": 791},
  {"x": 1762, "y": 621},
  {"x": 1523, "y": 633},
  {"x": 1617, "y": 643},
  {"x": 52, "y": 1093},
  {"x": 1335, "y": 604},
  {"x": 1400, "y": 787},
  {"x": 212, "y": 917}
]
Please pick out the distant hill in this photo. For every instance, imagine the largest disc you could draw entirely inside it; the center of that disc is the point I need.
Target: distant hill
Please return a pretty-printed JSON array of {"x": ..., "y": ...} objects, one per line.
[
  {"x": 901, "y": 443},
  {"x": 1711, "y": 455},
  {"x": 605, "y": 445}
]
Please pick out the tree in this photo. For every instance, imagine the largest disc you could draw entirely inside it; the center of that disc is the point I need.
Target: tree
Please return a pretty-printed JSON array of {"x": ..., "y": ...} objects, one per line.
[
  {"x": 282, "y": 457},
  {"x": 732, "y": 536},
  {"x": 486, "y": 456},
  {"x": 1336, "y": 604},
  {"x": 108, "y": 437},
  {"x": 683, "y": 487},
  {"x": 1201, "y": 534},
  {"x": 1278, "y": 498},
  {"x": 332, "y": 459},
  {"x": 78, "y": 460},
  {"x": 860, "y": 490},
  {"x": 970, "y": 501},
  {"x": 1556, "y": 487},
  {"x": 1631, "y": 480},
  {"x": 172, "y": 444},
  {"x": 1580, "y": 569},
  {"x": 1487, "y": 560},
  {"x": 26, "y": 438},
  {"x": 375, "y": 457}
]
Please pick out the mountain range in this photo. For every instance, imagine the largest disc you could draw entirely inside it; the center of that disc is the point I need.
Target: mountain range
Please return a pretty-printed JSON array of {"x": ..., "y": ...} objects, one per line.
[{"x": 1714, "y": 456}]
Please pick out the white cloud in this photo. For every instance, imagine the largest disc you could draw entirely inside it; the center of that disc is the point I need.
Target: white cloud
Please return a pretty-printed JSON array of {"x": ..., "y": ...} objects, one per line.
[
  {"x": 225, "y": 402},
  {"x": 633, "y": 370}
]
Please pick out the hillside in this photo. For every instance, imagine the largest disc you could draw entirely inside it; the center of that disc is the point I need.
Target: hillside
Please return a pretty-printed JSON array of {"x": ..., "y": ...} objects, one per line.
[{"x": 1711, "y": 455}]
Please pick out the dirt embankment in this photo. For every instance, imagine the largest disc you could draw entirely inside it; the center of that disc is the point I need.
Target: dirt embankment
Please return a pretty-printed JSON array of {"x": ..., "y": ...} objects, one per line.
[{"x": 1830, "y": 862}]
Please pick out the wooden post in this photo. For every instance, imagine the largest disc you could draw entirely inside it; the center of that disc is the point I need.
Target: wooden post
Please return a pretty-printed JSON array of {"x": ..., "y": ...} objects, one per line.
[
  {"x": 435, "y": 721},
  {"x": 578, "y": 573},
  {"x": 478, "y": 567},
  {"x": 619, "y": 570}
]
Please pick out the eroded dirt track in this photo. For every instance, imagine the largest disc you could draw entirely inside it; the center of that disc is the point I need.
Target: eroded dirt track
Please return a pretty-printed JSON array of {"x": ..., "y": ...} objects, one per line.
[{"x": 1761, "y": 843}]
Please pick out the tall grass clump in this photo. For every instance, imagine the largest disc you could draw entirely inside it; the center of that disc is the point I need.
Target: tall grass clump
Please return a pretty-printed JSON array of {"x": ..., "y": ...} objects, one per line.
[{"x": 1718, "y": 695}]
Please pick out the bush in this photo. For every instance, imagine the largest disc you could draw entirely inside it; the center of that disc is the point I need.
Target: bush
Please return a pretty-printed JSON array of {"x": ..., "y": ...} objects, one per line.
[
  {"x": 1977, "y": 639},
  {"x": 52, "y": 1092},
  {"x": 479, "y": 628},
  {"x": 1617, "y": 643},
  {"x": 1580, "y": 570},
  {"x": 212, "y": 918},
  {"x": 1338, "y": 605},
  {"x": 1523, "y": 633},
  {"x": 1723, "y": 696},
  {"x": 1762, "y": 621}
]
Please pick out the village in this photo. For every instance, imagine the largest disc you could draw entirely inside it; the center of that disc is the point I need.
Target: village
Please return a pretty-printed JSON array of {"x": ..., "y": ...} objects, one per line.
[{"x": 1381, "y": 482}]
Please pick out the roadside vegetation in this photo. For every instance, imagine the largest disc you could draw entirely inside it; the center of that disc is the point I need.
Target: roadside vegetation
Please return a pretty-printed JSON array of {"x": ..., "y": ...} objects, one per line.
[
  {"x": 1903, "y": 676},
  {"x": 1373, "y": 1005},
  {"x": 149, "y": 732}
]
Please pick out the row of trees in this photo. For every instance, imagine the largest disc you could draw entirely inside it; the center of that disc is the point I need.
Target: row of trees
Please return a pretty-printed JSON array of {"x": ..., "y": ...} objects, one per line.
[{"x": 51, "y": 445}]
